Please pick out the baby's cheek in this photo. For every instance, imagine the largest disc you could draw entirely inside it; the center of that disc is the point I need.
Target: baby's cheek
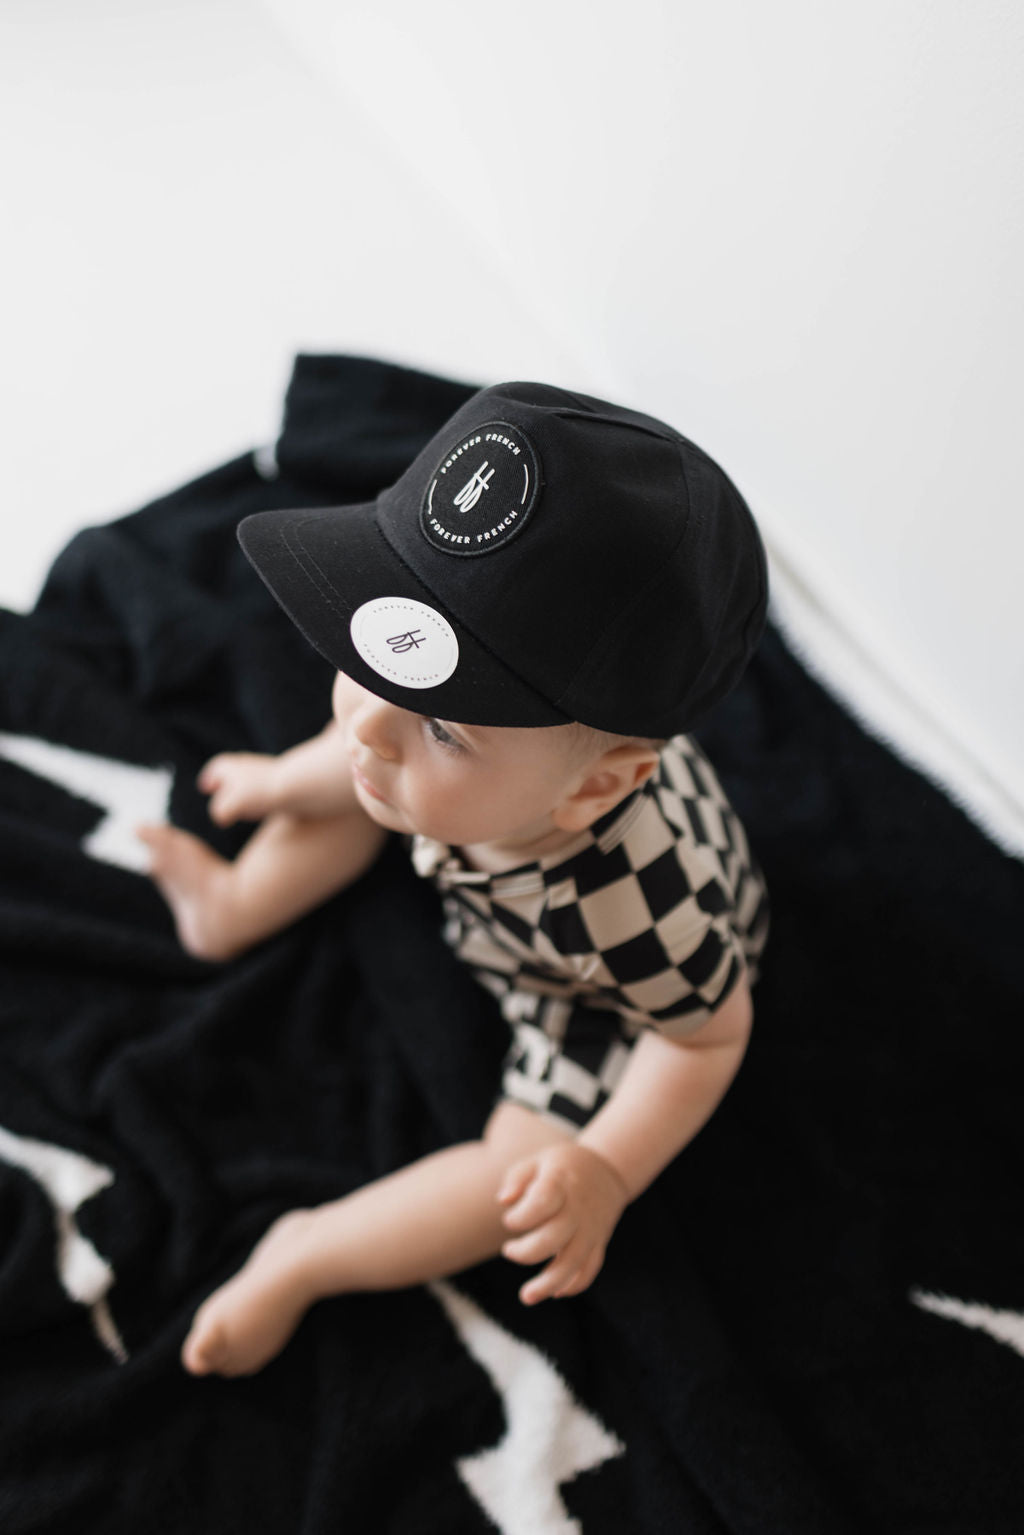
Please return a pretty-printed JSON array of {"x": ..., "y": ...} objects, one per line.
[{"x": 344, "y": 694}]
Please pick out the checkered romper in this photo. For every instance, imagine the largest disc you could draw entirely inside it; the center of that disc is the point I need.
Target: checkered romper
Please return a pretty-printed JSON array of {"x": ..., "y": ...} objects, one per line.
[{"x": 648, "y": 920}]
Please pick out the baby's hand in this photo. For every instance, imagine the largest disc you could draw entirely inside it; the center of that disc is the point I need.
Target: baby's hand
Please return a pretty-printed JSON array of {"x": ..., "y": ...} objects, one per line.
[
  {"x": 564, "y": 1202},
  {"x": 240, "y": 785}
]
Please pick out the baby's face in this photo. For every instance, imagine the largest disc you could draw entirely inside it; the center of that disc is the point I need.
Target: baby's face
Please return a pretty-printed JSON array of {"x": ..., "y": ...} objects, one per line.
[{"x": 459, "y": 784}]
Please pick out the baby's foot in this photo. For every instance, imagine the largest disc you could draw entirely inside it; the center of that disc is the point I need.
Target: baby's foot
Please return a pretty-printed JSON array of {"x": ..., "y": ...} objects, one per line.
[
  {"x": 191, "y": 878},
  {"x": 249, "y": 1320}
]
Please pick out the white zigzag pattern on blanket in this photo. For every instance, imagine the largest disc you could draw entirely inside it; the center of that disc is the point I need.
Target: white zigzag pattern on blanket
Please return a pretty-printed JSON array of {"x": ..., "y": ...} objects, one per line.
[
  {"x": 128, "y": 793},
  {"x": 549, "y": 1438},
  {"x": 1005, "y": 1326},
  {"x": 68, "y": 1179}
]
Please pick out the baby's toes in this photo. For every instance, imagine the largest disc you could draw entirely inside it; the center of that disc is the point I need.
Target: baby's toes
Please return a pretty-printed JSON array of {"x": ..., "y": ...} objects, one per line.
[{"x": 206, "y": 1350}]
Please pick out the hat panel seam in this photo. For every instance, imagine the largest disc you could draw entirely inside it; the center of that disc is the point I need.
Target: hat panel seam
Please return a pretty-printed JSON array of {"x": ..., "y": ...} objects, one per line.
[
  {"x": 629, "y": 426},
  {"x": 313, "y": 571}
]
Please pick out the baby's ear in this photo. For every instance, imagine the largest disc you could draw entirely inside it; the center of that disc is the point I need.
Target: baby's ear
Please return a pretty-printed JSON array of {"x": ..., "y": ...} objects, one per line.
[{"x": 607, "y": 781}]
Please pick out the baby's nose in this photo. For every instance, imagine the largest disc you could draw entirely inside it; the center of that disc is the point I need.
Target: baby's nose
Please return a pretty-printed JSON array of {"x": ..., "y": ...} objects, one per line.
[{"x": 374, "y": 724}]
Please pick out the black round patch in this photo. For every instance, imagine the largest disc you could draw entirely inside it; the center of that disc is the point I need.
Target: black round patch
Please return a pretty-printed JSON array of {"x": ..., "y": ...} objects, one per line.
[{"x": 483, "y": 490}]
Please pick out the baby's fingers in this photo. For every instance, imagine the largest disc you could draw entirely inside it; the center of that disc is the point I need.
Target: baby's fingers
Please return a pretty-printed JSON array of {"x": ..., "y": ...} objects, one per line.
[
  {"x": 540, "y": 1243},
  {"x": 584, "y": 1277},
  {"x": 542, "y": 1199},
  {"x": 223, "y": 807},
  {"x": 211, "y": 774},
  {"x": 517, "y": 1181},
  {"x": 560, "y": 1276}
]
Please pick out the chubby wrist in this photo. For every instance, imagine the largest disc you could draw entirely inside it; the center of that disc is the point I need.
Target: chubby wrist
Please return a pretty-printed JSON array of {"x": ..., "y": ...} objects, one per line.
[
  {"x": 279, "y": 792},
  {"x": 608, "y": 1163},
  {"x": 291, "y": 788}
]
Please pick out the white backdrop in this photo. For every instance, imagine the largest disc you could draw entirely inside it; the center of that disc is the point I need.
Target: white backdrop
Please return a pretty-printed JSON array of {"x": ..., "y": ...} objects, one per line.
[{"x": 795, "y": 230}]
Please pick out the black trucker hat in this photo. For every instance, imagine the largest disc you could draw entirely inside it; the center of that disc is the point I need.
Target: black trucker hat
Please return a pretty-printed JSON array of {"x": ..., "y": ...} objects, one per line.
[{"x": 546, "y": 557}]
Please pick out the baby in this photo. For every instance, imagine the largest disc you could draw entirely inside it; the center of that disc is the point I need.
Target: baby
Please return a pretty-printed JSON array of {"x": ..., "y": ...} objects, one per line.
[{"x": 523, "y": 627}]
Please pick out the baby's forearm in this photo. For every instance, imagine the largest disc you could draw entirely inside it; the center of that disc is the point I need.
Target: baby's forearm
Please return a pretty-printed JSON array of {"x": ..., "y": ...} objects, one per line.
[
  {"x": 668, "y": 1092},
  {"x": 314, "y": 779}
]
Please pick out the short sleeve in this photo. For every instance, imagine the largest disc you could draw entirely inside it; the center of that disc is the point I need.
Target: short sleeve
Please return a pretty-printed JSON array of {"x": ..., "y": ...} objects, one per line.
[
  {"x": 674, "y": 976},
  {"x": 657, "y": 942}
]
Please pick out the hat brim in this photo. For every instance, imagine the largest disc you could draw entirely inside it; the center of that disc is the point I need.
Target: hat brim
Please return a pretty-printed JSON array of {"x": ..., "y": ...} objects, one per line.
[{"x": 323, "y": 563}]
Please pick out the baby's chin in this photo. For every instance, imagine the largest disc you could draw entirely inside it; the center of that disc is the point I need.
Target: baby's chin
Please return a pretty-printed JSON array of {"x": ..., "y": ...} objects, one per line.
[{"x": 380, "y": 810}]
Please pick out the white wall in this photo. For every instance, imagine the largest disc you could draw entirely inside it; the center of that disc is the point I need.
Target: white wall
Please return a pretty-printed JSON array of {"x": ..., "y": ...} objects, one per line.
[
  {"x": 794, "y": 229},
  {"x": 185, "y": 204}
]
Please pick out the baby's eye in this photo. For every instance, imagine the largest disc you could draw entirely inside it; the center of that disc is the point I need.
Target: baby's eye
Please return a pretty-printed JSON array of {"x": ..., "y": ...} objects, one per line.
[{"x": 441, "y": 736}]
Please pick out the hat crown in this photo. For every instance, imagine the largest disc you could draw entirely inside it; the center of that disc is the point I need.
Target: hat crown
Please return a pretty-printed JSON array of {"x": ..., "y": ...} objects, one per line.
[
  {"x": 600, "y": 598},
  {"x": 590, "y": 562}
]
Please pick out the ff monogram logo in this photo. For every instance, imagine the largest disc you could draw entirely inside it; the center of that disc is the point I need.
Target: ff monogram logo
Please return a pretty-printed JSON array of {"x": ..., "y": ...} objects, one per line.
[
  {"x": 422, "y": 655},
  {"x": 400, "y": 643},
  {"x": 473, "y": 489},
  {"x": 466, "y": 521}
]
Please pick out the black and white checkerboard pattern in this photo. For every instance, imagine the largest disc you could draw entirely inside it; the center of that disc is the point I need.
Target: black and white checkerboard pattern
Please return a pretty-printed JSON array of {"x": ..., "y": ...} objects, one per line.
[{"x": 648, "y": 922}]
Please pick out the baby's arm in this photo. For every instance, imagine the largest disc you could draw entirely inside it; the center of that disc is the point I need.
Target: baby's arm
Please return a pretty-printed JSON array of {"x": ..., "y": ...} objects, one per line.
[
  {"x": 564, "y": 1202},
  {"x": 313, "y": 839},
  {"x": 311, "y": 780}
]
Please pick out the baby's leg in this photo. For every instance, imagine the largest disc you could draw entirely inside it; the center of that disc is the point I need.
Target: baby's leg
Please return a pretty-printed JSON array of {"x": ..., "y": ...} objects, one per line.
[
  {"x": 288, "y": 867},
  {"x": 435, "y": 1217}
]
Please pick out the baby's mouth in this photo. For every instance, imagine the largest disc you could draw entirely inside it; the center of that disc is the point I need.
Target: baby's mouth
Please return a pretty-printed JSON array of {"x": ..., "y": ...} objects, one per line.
[{"x": 365, "y": 783}]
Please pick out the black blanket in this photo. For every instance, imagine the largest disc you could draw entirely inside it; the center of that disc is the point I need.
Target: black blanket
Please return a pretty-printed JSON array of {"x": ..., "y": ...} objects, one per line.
[{"x": 813, "y": 1322}]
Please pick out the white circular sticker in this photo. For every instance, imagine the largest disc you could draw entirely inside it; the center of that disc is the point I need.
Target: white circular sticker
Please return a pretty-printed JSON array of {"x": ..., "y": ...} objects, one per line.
[{"x": 405, "y": 641}]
